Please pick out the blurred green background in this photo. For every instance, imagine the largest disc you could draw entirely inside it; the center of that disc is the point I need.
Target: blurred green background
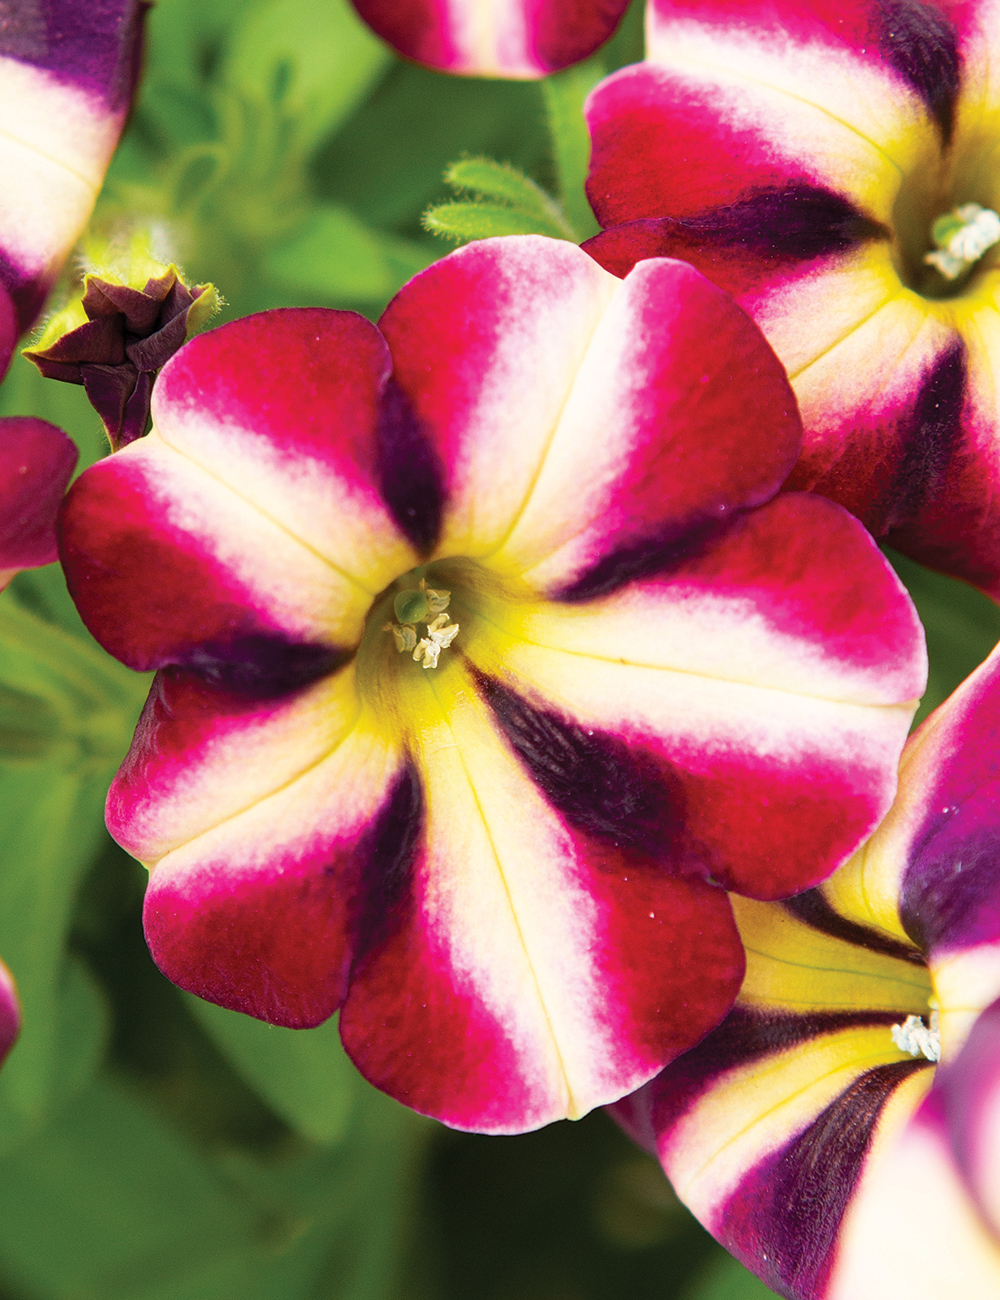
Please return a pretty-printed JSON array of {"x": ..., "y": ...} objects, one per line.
[{"x": 153, "y": 1147}]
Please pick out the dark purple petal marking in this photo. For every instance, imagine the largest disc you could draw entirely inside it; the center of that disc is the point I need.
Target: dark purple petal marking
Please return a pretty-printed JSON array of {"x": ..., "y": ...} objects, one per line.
[
  {"x": 92, "y": 43},
  {"x": 796, "y": 221},
  {"x": 264, "y": 667},
  {"x": 813, "y": 910},
  {"x": 934, "y": 429},
  {"x": 388, "y": 855},
  {"x": 658, "y": 553},
  {"x": 950, "y": 895},
  {"x": 922, "y": 45},
  {"x": 747, "y": 1035},
  {"x": 784, "y": 1218},
  {"x": 601, "y": 786},
  {"x": 411, "y": 478}
]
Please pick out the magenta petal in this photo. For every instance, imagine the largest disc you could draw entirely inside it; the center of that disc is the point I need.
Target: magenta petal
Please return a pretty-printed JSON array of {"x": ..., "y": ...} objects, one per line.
[
  {"x": 36, "y": 462},
  {"x": 500, "y": 38},
  {"x": 970, "y": 1091},
  {"x": 10, "y": 1012}
]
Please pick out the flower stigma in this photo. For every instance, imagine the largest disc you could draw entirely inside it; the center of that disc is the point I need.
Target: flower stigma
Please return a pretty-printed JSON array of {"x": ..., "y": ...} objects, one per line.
[
  {"x": 961, "y": 237},
  {"x": 918, "y": 1039},
  {"x": 422, "y": 605}
]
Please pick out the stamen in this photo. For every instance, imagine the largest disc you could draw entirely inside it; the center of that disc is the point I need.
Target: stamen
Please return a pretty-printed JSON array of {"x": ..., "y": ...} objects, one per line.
[
  {"x": 423, "y": 606},
  {"x": 962, "y": 236},
  {"x": 913, "y": 1036}
]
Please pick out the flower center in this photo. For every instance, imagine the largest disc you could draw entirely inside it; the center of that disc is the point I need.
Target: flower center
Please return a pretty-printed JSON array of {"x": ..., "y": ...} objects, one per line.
[
  {"x": 918, "y": 1039},
  {"x": 422, "y": 605},
  {"x": 961, "y": 237}
]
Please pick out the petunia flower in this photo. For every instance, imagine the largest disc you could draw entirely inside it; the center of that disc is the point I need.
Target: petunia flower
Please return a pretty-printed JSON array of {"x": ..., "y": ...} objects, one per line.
[
  {"x": 840, "y": 1131},
  {"x": 485, "y": 658},
  {"x": 835, "y": 168},
  {"x": 67, "y": 73},
  {"x": 494, "y": 38},
  {"x": 36, "y": 463}
]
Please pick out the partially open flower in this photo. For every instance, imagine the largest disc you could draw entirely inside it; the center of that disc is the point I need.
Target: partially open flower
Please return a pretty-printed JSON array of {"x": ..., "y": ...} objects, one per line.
[
  {"x": 486, "y": 658},
  {"x": 67, "y": 73},
  {"x": 840, "y": 1131},
  {"x": 494, "y": 38},
  {"x": 116, "y": 337},
  {"x": 835, "y": 168}
]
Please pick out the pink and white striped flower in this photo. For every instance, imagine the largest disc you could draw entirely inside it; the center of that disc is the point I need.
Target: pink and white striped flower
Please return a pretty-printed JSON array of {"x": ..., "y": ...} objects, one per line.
[
  {"x": 494, "y": 38},
  {"x": 840, "y": 1131},
  {"x": 486, "y": 656},
  {"x": 67, "y": 73},
  {"x": 818, "y": 159}
]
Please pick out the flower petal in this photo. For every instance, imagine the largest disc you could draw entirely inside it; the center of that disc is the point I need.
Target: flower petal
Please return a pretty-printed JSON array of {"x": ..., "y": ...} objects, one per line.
[
  {"x": 285, "y": 408},
  {"x": 528, "y": 969},
  {"x": 769, "y": 678},
  {"x": 202, "y": 754},
  {"x": 169, "y": 565},
  {"x": 259, "y": 912},
  {"x": 587, "y": 427},
  {"x": 913, "y": 1229},
  {"x": 769, "y": 1126},
  {"x": 10, "y": 1012},
  {"x": 36, "y": 462},
  {"x": 67, "y": 72},
  {"x": 499, "y": 38},
  {"x": 970, "y": 1095}
]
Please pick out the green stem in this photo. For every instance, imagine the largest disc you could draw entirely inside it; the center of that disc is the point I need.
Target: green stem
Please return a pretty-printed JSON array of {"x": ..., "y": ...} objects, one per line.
[{"x": 565, "y": 93}]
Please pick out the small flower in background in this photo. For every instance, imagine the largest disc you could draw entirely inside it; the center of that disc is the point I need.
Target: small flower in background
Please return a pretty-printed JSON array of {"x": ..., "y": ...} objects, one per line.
[
  {"x": 814, "y": 1132},
  {"x": 133, "y": 315},
  {"x": 36, "y": 463},
  {"x": 494, "y": 38},
  {"x": 10, "y": 1012},
  {"x": 67, "y": 75},
  {"x": 835, "y": 170},
  {"x": 500, "y": 855}
]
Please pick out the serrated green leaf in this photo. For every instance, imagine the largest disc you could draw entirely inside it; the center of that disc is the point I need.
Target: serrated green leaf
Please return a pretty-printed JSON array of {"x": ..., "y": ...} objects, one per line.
[
  {"x": 303, "y": 1074},
  {"x": 464, "y": 222},
  {"x": 488, "y": 179},
  {"x": 314, "y": 59},
  {"x": 338, "y": 258}
]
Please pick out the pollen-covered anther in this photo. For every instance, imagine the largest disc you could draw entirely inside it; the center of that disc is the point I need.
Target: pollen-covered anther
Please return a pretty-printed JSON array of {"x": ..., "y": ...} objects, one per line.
[
  {"x": 915, "y": 1037},
  {"x": 440, "y": 634},
  {"x": 962, "y": 236}
]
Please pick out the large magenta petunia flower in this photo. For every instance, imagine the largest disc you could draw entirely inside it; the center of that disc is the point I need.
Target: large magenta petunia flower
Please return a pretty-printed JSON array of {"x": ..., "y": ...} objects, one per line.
[
  {"x": 814, "y": 1132},
  {"x": 494, "y": 38},
  {"x": 486, "y": 657},
  {"x": 67, "y": 73},
  {"x": 834, "y": 165}
]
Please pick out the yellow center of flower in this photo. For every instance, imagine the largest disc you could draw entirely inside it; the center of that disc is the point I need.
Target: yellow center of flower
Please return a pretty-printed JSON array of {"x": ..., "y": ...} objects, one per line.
[{"x": 425, "y": 628}]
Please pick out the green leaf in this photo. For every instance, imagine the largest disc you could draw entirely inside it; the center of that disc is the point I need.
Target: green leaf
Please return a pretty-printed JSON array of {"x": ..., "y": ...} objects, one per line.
[
  {"x": 729, "y": 1280},
  {"x": 565, "y": 93},
  {"x": 337, "y": 257},
  {"x": 464, "y": 222},
  {"x": 303, "y": 1074},
  {"x": 315, "y": 59},
  {"x": 505, "y": 184},
  {"x": 66, "y": 715}
]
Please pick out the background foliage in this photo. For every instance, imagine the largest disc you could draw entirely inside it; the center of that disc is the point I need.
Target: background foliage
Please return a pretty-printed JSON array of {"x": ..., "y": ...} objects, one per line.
[{"x": 153, "y": 1147}]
